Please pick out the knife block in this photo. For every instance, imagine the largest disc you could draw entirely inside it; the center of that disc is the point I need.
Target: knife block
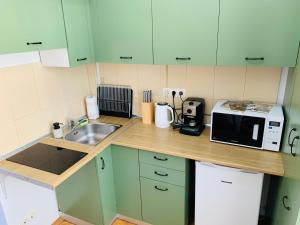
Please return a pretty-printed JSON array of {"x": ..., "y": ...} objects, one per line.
[{"x": 148, "y": 112}]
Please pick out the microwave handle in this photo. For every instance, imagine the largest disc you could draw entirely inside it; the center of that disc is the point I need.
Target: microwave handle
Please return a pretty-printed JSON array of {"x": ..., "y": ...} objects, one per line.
[{"x": 255, "y": 132}]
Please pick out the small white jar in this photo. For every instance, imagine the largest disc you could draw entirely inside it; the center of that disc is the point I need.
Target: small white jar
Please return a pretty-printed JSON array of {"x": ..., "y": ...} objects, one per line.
[{"x": 57, "y": 130}]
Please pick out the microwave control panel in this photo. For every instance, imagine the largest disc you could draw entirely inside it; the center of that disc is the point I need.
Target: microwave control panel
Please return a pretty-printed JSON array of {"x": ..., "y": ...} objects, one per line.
[{"x": 273, "y": 135}]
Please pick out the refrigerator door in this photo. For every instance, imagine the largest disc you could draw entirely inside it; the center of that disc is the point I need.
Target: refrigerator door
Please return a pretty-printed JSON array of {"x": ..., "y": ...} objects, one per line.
[{"x": 226, "y": 196}]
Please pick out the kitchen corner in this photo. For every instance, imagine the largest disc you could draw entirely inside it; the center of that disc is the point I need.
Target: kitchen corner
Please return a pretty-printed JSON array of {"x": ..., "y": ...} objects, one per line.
[{"x": 135, "y": 134}]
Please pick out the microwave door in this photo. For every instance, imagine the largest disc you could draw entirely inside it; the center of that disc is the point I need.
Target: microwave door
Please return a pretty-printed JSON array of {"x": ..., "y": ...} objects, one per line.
[
  {"x": 238, "y": 129},
  {"x": 252, "y": 131}
]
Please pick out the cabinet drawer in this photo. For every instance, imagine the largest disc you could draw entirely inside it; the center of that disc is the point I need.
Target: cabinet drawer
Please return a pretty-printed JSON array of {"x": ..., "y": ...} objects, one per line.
[
  {"x": 163, "y": 160},
  {"x": 162, "y": 174},
  {"x": 163, "y": 203}
]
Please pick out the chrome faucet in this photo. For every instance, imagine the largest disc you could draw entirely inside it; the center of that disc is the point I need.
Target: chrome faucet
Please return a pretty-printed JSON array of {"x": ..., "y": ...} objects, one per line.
[{"x": 73, "y": 124}]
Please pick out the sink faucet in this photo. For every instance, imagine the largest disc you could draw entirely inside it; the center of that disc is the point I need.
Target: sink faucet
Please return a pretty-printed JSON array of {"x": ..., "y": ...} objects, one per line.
[{"x": 80, "y": 122}]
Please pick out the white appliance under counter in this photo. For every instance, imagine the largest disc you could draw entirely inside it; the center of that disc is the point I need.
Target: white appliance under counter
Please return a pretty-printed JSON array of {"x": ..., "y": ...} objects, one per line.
[{"x": 227, "y": 196}]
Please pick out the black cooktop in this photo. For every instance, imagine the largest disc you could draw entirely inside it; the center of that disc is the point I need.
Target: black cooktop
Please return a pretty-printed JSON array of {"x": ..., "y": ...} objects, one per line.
[{"x": 48, "y": 158}]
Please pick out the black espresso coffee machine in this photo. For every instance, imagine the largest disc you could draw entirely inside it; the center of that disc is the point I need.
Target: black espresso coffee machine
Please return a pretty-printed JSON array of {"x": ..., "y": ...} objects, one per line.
[{"x": 193, "y": 116}]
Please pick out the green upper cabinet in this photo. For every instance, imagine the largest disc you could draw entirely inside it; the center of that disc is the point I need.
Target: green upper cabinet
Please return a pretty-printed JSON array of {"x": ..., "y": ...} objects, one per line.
[
  {"x": 127, "y": 183},
  {"x": 78, "y": 32},
  {"x": 185, "y": 31},
  {"x": 258, "y": 32},
  {"x": 106, "y": 183},
  {"x": 31, "y": 25},
  {"x": 42, "y": 24},
  {"x": 123, "y": 31},
  {"x": 10, "y": 38}
]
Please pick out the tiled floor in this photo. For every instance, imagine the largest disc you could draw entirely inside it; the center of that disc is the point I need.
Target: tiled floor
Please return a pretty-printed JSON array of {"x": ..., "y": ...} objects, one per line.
[
  {"x": 117, "y": 222},
  {"x": 122, "y": 222}
]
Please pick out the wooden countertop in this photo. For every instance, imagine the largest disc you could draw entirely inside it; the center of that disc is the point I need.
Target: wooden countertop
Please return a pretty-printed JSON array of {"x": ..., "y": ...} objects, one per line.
[
  {"x": 135, "y": 134},
  {"x": 168, "y": 141}
]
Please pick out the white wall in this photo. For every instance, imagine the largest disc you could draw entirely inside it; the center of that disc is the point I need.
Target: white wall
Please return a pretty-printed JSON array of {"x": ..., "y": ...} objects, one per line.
[
  {"x": 2, "y": 218},
  {"x": 22, "y": 200}
]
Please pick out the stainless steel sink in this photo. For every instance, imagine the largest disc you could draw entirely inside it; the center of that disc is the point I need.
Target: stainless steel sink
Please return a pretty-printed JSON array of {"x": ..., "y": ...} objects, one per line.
[{"x": 92, "y": 133}]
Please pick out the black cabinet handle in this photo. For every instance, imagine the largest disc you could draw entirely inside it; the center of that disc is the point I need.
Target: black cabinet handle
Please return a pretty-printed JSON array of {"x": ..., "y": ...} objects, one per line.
[
  {"x": 255, "y": 59},
  {"x": 103, "y": 163},
  {"x": 161, "y": 174},
  {"x": 226, "y": 182},
  {"x": 289, "y": 138},
  {"x": 81, "y": 59},
  {"x": 34, "y": 43},
  {"x": 125, "y": 57},
  {"x": 182, "y": 58},
  {"x": 284, "y": 199},
  {"x": 160, "y": 189},
  {"x": 292, "y": 145},
  {"x": 160, "y": 159}
]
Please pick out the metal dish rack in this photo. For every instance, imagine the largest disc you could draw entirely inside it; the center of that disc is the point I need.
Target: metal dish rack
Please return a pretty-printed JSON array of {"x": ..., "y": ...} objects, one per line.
[{"x": 115, "y": 100}]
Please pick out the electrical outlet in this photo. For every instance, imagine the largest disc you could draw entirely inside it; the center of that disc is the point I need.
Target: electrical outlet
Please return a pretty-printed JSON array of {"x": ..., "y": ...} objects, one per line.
[
  {"x": 28, "y": 220},
  {"x": 32, "y": 215},
  {"x": 167, "y": 92}
]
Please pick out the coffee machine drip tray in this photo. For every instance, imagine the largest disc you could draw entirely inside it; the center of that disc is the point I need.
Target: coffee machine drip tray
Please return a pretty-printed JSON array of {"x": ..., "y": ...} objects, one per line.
[{"x": 193, "y": 131}]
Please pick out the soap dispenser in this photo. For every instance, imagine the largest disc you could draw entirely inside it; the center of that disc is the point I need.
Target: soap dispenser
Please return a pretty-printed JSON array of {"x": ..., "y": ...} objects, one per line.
[{"x": 57, "y": 130}]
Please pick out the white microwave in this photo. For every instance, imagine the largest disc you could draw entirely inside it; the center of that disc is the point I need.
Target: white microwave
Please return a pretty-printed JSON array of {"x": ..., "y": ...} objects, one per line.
[{"x": 261, "y": 129}]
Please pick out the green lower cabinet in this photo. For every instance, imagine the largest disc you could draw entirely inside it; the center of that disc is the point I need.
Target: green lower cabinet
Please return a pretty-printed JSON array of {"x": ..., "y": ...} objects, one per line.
[
  {"x": 106, "y": 183},
  {"x": 163, "y": 160},
  {"x": 288, "y": 199},
  {"x": 298, "y": 220},
  {"x": 162, "y": 174},
  {"x": 288, "y": 203},
  {"x": 127, "y": 183},
  {"x": 162, "y": 203},
  {"x": 79, "y": 195}
]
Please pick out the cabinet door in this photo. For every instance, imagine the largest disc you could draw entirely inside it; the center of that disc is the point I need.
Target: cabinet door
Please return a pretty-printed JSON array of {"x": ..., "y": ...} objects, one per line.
[
  {"x": 106, "y": 182},
  {"x": 162, "y": 203},
  {"x": 289, "y": 191},
  {"x": 10, "y": 39},
  {"x": 79, "y": 195},
  {"x": 127, "y": 184},
  {"x": 77, "y": 22},
  {"x": 42, "y": 24},
  {"x": 292, "y": 131},
  {"x": 288, "y": 202},
  {"x": 185, "y": 31},
  {"x": 232, "y": 194},
  {"x": 123, "y": 32},
  {"x": 258, "y": 32}
]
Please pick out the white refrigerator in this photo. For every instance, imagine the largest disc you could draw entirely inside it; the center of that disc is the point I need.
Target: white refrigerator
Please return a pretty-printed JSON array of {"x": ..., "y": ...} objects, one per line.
[{"x": 226, "y": 196}]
